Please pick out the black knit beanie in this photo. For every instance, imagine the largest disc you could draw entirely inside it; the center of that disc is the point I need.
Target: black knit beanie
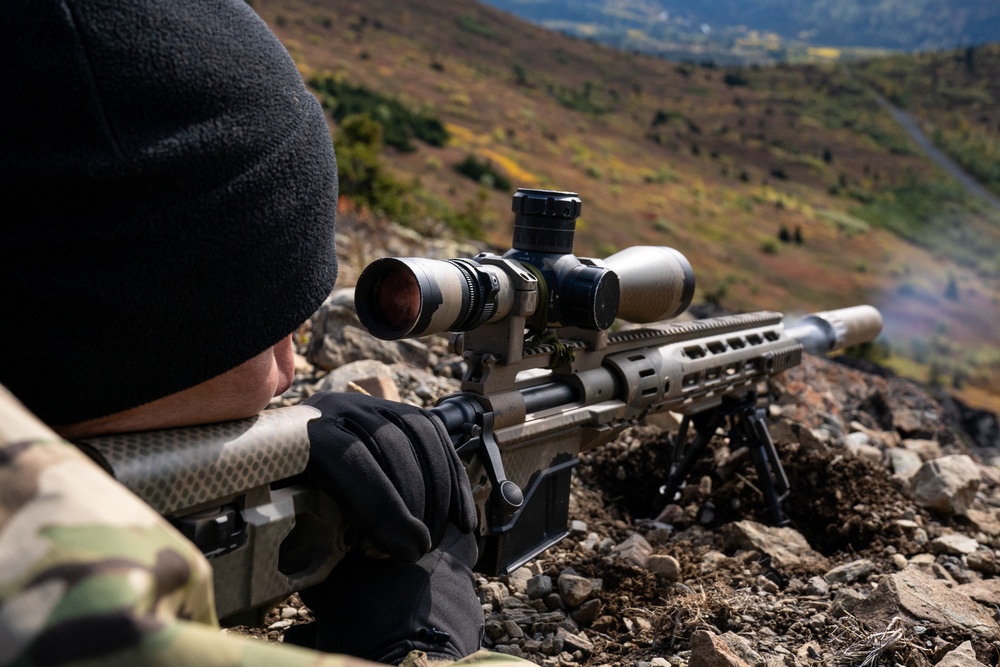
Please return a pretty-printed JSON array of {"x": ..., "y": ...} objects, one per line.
[{"x": 169, "y": 190}]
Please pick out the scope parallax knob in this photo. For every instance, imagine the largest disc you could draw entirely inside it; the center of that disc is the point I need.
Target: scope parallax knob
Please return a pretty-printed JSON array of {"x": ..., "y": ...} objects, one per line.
[
  {"x": 590, "y": 298},
  {"x": 545, "y": 220}
]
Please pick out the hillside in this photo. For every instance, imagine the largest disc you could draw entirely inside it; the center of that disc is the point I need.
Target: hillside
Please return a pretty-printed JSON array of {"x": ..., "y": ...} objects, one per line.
[
  {"x": 954, "y": 95},
  {"x": 779, "y": 28},
  {"x": 720, "y": 164},
  {"x": 890, "y": 555}
]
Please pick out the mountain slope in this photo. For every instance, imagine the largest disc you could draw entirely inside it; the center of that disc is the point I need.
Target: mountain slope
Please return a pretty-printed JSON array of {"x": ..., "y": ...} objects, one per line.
[
  {"x": 955, "y": 95},
  {"x": 720, "y": 163}
]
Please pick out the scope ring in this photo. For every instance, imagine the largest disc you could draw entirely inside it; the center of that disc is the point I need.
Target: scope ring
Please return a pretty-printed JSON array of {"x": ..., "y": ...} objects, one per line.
[
  {"x": 538, "y": 333},
  {"x": 491, "y": 287},
  {"x": 483, "y": 287},
  {"x": 540, "y": 318}
]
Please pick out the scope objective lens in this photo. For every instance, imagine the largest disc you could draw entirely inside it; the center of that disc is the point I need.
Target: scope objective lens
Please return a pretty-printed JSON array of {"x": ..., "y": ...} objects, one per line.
[{"x": 397, "y": 296}]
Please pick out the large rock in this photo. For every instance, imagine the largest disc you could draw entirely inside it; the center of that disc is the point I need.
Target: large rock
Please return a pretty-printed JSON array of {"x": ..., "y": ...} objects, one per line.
[
  {"x": 920, "y": 599},
  {"x": 927, "y": 450},
  {"x": 947, "y": 485},
  {"x": 341, "y": 377},
  {"x": 709, "y": 650},
  {"x": 986, "y": 591},
  {"x": 986, "y": 520},
  {"x": 741, "y": 647},
  {"x": 635, "y": 550},
  {"x": 574, "y": 589},
  {"x": 786, "y": 546},
  {"x": 904, "y": 462},
  {"x": 914, "y": 423},
  {"x": 954, "y": 544},
  {"x": 850, "y": 572},
  {"x": 963, "y": 656},
  {"x": 337, "y": 337}
]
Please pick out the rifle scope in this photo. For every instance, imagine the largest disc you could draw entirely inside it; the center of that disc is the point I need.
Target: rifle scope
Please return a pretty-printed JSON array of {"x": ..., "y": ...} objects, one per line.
[{"x": 401, "y": 297}]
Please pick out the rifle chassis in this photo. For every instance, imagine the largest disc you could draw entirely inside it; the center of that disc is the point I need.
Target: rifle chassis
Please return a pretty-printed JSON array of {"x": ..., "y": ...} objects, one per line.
[{"x": 547, "y": 380}]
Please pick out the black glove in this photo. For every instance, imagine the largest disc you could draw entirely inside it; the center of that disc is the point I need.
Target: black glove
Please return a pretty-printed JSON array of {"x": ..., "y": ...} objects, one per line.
[
  {"x": 392, "y": 469},
  {"x": 380, "y": 609}
]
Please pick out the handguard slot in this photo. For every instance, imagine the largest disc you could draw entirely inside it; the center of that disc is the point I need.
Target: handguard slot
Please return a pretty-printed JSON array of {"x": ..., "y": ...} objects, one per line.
[
  {"x": 716, "y": 347},
  {"x": 692, "y": 380},
  {"x": 694, "y": 351}
]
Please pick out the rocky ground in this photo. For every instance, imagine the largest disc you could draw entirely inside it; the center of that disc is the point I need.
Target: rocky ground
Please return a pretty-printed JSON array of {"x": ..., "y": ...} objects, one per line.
[{"x": 890, "y": 554}]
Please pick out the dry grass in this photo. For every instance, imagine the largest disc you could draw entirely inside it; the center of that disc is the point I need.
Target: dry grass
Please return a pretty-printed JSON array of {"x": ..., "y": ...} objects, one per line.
[
  {"x": 856, "y": 646},
  {"x": 696, "y": 609}
]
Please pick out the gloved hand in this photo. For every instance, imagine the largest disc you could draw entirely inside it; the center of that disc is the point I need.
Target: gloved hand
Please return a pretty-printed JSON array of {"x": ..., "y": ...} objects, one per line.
[
  {"x": 392, "y": 469},
  {"x": 380, "y": 609}
]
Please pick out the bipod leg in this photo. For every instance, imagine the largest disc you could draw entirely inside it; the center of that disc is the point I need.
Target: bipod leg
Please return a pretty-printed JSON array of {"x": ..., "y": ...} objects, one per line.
[
  {"x": 685, "y": 456},
  {"x": 677, "y": 451},
  {"x": 750, "y": 430}
]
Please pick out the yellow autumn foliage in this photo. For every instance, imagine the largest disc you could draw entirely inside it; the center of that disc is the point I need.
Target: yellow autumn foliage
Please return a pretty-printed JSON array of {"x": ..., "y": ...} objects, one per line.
[{"x": 481, "y": 146}]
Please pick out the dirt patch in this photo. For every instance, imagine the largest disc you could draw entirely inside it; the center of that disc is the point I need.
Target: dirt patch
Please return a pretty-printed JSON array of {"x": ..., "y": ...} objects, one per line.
[{"x": 845, "y": 506}]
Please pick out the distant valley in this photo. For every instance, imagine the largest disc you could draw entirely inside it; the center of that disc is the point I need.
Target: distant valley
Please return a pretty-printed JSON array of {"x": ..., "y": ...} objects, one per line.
[{"x": 734, "y": 31}]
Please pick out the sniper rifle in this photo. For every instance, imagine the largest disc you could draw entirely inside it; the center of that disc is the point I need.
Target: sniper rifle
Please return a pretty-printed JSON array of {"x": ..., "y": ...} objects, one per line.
[{"x": 548, "y": 378}]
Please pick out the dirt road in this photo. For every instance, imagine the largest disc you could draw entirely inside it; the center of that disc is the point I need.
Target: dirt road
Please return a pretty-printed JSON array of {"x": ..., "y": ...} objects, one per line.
[{"x": 907, "y": 122}]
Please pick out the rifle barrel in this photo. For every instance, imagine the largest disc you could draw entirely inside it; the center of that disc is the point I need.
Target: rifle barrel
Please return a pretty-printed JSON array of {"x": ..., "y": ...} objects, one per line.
[{"x": 832, "y": 330}]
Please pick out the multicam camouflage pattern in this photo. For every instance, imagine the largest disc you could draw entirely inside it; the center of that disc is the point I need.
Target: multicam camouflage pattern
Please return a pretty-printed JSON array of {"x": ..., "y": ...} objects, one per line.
[{"x": 91, "y": 575}]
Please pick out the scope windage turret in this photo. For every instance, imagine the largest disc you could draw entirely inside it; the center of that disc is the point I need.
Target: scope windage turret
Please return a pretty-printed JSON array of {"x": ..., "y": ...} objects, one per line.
[{"x": 408, "y": 297}]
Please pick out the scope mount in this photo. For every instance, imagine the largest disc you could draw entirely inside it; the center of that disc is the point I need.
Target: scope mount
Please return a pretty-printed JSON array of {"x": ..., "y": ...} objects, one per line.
[{"x": 553, "y": 290}]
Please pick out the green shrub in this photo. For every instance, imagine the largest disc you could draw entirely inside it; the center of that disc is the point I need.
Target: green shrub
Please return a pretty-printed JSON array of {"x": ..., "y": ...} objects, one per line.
[
  {"x": 579, "y": 99},
  {"x": 360, "y": 172},
  {"x": 876, "y": 351},
  {"x": 911, "y": 209},
  {"x": 401, "y": 124},
  {"x": 770, "y": 246},
  {"x": 661, "y": 175},
  {"x": 482, "y": 171},
  {"x": 473, "y": 24},
  {"x": 736, "y": 78}
]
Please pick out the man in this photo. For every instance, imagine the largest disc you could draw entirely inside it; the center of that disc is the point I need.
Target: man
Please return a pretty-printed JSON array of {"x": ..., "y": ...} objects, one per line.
[{"x": 170, "y": 189}]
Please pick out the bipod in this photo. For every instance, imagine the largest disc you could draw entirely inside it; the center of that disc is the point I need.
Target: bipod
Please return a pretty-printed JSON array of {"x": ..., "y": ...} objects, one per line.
[{"x": 747, "y": 427}]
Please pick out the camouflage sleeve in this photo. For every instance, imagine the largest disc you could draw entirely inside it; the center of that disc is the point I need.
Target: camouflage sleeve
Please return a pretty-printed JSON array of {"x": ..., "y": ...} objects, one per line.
[
  {"x": 90, "y": 575},
  {"x": 484, "y": 658},
  {"x": 481, "y": 658}
]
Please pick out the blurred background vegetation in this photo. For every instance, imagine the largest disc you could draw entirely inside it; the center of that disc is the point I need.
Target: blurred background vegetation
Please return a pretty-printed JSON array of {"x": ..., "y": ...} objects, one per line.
[{"x": 789, "y": 185}]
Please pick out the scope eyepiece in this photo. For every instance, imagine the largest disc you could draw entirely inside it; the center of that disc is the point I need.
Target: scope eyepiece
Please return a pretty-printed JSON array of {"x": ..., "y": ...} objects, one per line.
[{"x": 657, "y": 283}]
